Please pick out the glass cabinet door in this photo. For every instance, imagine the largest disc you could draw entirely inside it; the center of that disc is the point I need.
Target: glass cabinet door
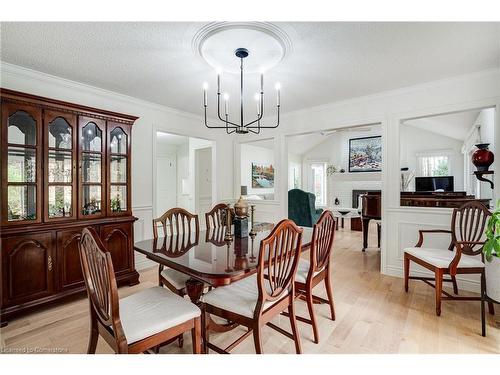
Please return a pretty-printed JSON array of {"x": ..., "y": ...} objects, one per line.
[
  {"x": 60, "y": 193},
  {"x": 118, "y": 169},
  {"x": 92, "y": 158},
  {"x": 21, "y": 157}
]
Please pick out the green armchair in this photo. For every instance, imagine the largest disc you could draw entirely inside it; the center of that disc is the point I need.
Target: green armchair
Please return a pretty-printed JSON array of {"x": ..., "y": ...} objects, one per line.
[{"x": 301, "y": 208}]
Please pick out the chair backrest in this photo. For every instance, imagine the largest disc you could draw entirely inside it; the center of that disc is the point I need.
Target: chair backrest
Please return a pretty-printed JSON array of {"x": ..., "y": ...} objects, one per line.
[
  {"x": 216, "y": 216},
  {"x": 468, "y": 223},
  {"x": 322, "y": 241},
  {"x": 301, "y": 206},
  {"x": 100, "y": 281},
  {"x": 278, "y": 261},
  {"x": 176, "y": 245},
  {"x": 176, "y": 221}
]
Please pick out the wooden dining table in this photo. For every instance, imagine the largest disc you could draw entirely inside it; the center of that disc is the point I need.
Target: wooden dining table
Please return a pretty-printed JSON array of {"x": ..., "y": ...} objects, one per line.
[{"x": 207, "y": 258}]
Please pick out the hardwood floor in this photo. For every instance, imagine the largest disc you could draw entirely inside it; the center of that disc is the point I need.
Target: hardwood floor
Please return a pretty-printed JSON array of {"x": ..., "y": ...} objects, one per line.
[{"x": 374, "y": 315}]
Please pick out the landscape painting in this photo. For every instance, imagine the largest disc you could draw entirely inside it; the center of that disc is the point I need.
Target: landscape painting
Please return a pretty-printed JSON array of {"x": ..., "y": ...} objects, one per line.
[
  {"x": 262, "y": 176},
  {"x": 365, "y": 154}
]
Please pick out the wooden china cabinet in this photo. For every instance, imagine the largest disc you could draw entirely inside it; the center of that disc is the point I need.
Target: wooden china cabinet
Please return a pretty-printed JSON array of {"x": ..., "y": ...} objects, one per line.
[{"x": 63, "y": 167}]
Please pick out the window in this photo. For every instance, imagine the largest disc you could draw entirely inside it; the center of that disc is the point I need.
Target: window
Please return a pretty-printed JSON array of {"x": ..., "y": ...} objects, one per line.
[
  {"x": 434, "y": 165},
  {"x": 318, "y": 182},
  {"x": 294, "y": 176}
]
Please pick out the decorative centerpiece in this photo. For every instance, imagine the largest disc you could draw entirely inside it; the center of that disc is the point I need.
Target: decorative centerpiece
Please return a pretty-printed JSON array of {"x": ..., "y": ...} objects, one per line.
[
  {"x": 228, "y": 237},
  {"x": 241, "y": 218},
  {"x": 482, "y": 158}
]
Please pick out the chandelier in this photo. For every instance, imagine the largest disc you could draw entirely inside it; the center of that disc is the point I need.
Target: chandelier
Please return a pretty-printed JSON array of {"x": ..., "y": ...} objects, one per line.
[{"x": 242, "y": 128}]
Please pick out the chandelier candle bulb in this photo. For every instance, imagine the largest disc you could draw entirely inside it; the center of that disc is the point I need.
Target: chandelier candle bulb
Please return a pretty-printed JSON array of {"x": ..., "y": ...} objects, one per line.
[
  {"x": 261, "y": 82},
  {"x": 226, "y": 103},
  {"x": 205, "y": 100},
  {"x": 218, "y": 83}
]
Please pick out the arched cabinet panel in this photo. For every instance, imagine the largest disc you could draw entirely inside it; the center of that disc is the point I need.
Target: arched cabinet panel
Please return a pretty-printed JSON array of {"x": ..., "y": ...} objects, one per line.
[
  {"x": 118, "y": 240},
  {"x": 28, "y": 266}
]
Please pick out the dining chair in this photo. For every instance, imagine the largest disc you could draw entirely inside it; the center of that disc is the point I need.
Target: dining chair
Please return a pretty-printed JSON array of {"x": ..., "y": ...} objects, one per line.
[
  {"x": 255, "y": 300},
  {"x": 215, "y": 221},
  {"x": 178, "y": 223},
  {"x": 216, "y": 216},
  {"x": 139, "y": 322},
  {"x": 311, "y": 272},
  {"x": 461, "y": 257}
]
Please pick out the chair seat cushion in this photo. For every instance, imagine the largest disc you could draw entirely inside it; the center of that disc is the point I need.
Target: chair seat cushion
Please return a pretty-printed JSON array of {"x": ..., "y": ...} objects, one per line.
[
  {"x": 441, "y": 258},
  {"x": 303, "y": 270},
  {"x": 239, "y": 297},
  {"x": 176, "y": 278},
  {"x": 154, "y": 310}
]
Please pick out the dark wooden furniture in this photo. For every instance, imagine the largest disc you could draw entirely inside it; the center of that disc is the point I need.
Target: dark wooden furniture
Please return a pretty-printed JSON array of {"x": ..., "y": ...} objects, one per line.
[
  {"x": 64, "y": 167},
  {"x": 311, "y": 273},
  {"x": 185, "y": 228},
  {"x": 131, "y": 325},
  {"x": 215, "y": 265},
  {"x": 255, "y": 301},
  {"x": 438, "y": 199},
  {"x": 463, "y": 255},
  {"x": 216, "y": 216},
  {"x": 371, "y": 209}
]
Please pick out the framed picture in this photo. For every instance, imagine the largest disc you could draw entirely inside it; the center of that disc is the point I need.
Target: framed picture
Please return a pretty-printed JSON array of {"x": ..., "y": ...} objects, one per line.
[
  {"x": 365, "y": 154},
  {"x": 262, "y": 176}
]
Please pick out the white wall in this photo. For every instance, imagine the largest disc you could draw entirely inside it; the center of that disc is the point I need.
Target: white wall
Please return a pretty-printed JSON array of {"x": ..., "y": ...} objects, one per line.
[
  {"x": 257, "y": 155},
  {"x": 415, "y": 141}
]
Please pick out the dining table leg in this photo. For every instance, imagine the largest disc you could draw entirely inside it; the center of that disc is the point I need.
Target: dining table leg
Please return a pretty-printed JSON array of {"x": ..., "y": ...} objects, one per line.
[{"x": 194, "y": 289}]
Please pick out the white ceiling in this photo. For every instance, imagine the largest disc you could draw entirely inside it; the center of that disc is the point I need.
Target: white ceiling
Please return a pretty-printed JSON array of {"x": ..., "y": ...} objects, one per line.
[
  {"x": 327, "y": 62},
  {"x": 455, "y": 125}
]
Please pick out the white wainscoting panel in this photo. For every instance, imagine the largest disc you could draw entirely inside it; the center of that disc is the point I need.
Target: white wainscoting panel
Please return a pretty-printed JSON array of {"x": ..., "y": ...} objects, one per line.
[{"x": 142, "y": 230}]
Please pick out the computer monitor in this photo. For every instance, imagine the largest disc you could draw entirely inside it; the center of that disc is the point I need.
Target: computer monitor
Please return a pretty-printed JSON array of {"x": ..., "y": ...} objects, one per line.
[{"x": 441, "y": 183}]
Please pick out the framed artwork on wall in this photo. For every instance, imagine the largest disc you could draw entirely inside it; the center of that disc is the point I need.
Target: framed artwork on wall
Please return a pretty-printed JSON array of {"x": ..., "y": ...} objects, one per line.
[
  {"x": 365, "y": 154},
  {"x": 262, "y": 176}
]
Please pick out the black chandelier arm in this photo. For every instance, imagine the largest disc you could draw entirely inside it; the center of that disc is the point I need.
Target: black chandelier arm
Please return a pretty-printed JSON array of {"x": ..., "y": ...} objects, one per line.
[
  {"x": 218, "y": 113},
  {"x": 214, "y": 127},
  {"x": 267, "y": 127}
]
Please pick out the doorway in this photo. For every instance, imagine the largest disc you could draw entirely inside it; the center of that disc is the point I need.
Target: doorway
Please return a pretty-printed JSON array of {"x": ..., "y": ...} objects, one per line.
[{"x": 183, "y": 174}]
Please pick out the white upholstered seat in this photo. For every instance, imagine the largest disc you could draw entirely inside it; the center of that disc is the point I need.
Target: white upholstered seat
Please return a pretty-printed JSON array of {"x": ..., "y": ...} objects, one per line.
[
  {"x": 303, "y": 271},
  {"x": 176, "y": 278},
  {"x": 441, "y": 258},
  {"x": 239, "y": 297},
  {"x": 154, "y": 310}
]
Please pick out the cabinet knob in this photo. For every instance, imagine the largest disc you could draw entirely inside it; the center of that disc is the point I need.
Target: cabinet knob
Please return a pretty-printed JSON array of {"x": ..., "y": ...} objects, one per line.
[{"x": 49, "y": 261}]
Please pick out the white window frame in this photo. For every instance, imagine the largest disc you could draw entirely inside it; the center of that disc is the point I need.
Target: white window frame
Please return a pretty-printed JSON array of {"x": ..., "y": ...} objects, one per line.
[{"x": 310, "y": 181}]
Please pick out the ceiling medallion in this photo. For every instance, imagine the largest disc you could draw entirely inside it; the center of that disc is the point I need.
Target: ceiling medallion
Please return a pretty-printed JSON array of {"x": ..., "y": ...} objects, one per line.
[{"x": 216, "y": 41}]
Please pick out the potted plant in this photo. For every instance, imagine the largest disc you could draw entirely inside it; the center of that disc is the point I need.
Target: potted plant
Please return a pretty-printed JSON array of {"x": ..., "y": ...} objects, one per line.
[{"x": 491, "y": 252}]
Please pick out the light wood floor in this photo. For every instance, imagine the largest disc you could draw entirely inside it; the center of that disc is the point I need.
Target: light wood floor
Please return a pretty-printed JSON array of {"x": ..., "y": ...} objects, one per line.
[{"x": 374, "y": 315}]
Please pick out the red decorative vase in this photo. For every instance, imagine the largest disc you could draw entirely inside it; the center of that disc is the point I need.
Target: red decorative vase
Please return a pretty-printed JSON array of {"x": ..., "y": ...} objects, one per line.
[{"x": 482, "y": 158}]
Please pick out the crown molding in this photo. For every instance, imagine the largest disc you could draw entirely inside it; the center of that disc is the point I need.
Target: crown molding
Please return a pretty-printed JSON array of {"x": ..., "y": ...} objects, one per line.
[
  {"x": 395, "y": 92},
  {"x": 8, "y": 69}
]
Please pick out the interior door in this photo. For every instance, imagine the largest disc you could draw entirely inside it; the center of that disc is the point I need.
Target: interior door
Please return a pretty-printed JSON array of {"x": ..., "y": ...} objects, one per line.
[
  {"x": 166, "y": 182},
  {"x": 203, "y": 180}
]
